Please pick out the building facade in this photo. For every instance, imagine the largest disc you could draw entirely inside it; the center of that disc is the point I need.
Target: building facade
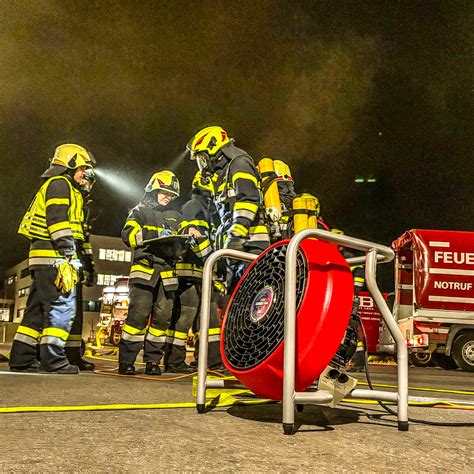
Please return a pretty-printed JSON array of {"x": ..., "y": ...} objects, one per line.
[{"x": 112, "y": 261}]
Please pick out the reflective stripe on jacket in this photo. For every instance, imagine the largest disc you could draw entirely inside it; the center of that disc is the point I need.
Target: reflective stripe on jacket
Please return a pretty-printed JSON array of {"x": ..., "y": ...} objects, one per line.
[
  {"x": 55, "y": 212},
  {"x": 143, "y": 223},
  {"x": 54, "y": 222},
  {"x": 238, "y": 198}
]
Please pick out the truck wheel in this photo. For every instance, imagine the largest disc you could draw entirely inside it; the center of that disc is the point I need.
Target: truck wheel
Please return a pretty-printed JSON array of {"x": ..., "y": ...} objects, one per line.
[
  {"x": 463, "y": 351},
  {"x": 421, "y": 359},
  {"x": 445, "y": 362}
]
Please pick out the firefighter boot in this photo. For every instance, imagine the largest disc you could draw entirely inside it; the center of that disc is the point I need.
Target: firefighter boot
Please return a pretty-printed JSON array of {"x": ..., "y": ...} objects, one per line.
[
  {"x": 64, "y": 370},
  {"x": 180, "y": 369},
  {"x": 34, "y": 367},
  {"x": 74, "y": 356},
  {"x": 153, "y": 368},
  {"x": 126, "y": 369},
  {"x": 84, "y": 365}
]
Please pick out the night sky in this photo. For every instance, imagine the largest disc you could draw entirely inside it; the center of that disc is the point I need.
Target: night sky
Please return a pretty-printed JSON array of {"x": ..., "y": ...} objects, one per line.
[{"x": 338, "y": 89}]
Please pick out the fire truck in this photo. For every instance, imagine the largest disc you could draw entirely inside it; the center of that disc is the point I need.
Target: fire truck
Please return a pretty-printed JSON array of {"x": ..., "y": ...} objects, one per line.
[{"x": 434, "y": 296}]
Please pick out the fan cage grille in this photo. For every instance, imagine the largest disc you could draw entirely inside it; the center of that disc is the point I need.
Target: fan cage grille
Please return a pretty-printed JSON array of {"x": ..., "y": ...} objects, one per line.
[{"x": 247, "y": 343}]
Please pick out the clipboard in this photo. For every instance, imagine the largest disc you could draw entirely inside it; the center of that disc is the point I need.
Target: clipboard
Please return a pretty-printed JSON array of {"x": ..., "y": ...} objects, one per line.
[{"x": 169, "y": 247}]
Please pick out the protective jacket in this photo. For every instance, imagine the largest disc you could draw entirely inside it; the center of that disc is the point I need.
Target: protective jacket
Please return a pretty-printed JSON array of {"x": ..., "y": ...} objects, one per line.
[
  {"x": 197, "y": 213},
  {"x": 145, "y": 222},
  {"x": 54, "y": 222},
  {"x": 237, "y": 198}
]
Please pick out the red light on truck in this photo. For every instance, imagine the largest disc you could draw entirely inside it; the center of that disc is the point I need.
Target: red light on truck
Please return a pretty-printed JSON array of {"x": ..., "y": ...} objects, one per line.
[{"x": 419, "y": 340}]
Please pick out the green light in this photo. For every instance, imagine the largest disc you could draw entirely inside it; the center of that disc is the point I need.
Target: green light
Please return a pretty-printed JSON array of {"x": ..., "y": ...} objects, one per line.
[
  {"x": 359, "y": 180},
  {"x": 371, "y": 180}
]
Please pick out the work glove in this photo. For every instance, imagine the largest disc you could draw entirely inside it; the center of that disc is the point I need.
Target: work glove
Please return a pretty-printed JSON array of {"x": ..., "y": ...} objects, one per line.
[
  {"x": 67, "y": 275},
  {"x": 195, "y": 233},
  {"x": 74, "y": 262},
  {"x": 165, "y": 233}
]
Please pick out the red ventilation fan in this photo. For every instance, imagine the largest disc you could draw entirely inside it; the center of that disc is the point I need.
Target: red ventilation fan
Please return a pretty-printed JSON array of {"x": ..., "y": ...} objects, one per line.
[{"x": 252, "y": 342}]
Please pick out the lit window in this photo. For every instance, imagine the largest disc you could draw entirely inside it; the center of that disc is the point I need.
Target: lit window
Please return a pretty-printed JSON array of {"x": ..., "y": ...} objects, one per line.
[
  {"x": 23, "y": 292},
  {"x": 114, "y": 255},
  {"x": 107, "y": 280},
  {"x": 4, "y": 314}
]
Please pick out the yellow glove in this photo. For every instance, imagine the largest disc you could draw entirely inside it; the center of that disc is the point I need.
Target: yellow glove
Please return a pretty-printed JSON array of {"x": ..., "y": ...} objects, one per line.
[{"x": 67, "y": 276}]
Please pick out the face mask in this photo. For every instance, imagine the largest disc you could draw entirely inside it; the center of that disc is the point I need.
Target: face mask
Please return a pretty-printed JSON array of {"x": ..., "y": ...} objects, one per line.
[{"x": 204, "y": 163}]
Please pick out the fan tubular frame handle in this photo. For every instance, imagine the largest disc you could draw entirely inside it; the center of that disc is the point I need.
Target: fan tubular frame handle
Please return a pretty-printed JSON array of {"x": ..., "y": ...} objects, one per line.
[{"x": 204, "y": 315}]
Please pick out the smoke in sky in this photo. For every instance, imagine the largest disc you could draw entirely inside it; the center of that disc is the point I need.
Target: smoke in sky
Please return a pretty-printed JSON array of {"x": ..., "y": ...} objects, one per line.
[{"x": 337, "y": 89}]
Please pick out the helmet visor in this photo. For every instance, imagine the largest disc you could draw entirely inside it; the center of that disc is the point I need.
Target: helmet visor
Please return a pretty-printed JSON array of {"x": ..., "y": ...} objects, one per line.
[{"x": 204, "y": 163}]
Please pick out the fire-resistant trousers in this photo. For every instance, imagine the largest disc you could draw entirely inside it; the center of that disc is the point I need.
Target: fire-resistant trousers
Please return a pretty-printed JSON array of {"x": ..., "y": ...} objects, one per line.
[
  {"x": 184, "y": 311},
  {"x": 186, "y": 316},
  {"x": 74, "y": 341},
  {"x": 136, "y": 334},
  {"x": 47, "y": 321},
  {"x": 214, "y": 360}
]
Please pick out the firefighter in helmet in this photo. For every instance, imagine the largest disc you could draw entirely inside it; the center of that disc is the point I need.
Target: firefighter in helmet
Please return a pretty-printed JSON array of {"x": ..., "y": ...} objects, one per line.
[
  {"x": 306, "y": 204},
  {"x": 152, "y": 279},
  {"x": 286, "y": 190},
  {"x": 237, "y": 197},
  {"x": 200, "y": 213},
  {"x": 74, "y": 341},
  {"x": 54, "y": 224}
]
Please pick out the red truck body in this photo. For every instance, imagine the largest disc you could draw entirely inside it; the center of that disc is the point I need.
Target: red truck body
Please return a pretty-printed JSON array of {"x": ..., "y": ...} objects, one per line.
[
  {"x": 371, "y": 320},
  {"x": 434, "y": 294}
]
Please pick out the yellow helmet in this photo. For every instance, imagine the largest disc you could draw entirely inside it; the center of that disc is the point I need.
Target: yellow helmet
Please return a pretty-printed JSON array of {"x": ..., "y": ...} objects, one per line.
[
  {"x": 316, "y": 201},
  {"x": 282, "y": 171},
  {"x": 334, "y": 230},
  {"x": 202, "y": 184},
  {"x": 208, "y": 140},
  {"x": 163, "y": 181},
  {"x": 72, "y": 156}
]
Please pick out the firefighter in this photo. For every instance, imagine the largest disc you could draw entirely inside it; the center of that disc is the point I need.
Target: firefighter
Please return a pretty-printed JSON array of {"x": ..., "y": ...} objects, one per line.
[
  {"x": 54, "y": 225},
  {"x": 200, "y": 207},
  {"x": 351, "y": 348},
  {"x": 74, "y": 343},
  {"x": 307, "y": 205},
  {"x": 237, "y": 197},
  {"x": 199, "y": 213},
  {"x": 286, "y": 190},
  {"x": 152, "y": 279}
]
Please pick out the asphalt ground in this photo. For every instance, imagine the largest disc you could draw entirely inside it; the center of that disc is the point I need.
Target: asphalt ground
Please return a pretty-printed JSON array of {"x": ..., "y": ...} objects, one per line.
[{"x": 352, "y": 437}]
